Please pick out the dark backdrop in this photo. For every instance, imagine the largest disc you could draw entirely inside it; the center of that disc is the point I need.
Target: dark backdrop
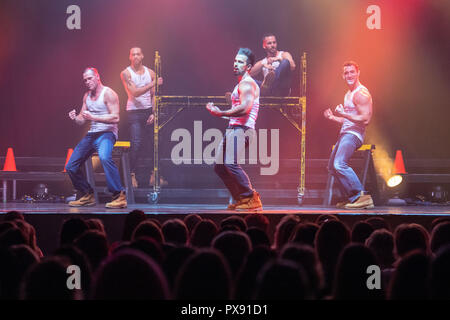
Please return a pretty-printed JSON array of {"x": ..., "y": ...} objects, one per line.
[{"x": 405, "y": 65}]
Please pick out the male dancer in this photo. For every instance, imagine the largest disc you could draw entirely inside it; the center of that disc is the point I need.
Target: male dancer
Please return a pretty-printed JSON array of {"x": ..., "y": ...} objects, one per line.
[
  {"x": 277, "y": 67},
  {"x": 243, "y": 115},
  {"x": 101, "y": 109},
  {"x": 139, "y": 82},
  {"x": 354, "y": 116}
]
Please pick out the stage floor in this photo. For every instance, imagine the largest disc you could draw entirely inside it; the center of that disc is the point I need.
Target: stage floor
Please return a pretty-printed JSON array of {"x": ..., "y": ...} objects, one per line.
[{"x": 160, "y": 209}]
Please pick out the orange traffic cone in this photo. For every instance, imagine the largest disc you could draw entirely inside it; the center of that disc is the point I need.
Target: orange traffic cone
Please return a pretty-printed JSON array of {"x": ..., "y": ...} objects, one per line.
[
  {"x": 69, "y": 154},
  {"x": 399, "y": 165},
  {"x": 10, "y": 162}
]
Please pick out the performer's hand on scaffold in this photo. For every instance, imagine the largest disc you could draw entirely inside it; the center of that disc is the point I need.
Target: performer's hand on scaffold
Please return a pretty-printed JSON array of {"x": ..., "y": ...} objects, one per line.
[{"x": 160, "y": 81}]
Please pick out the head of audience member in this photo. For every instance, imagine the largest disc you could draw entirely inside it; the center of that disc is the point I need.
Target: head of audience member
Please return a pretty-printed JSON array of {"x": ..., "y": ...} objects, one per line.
[
  {"x": 71, "y": 229},
  {"x": 191, "y": 221},
  {"x": 237, "y": 221},
  {"x": 96, "y": 224},
  {"x": 150, "y": 247},
  {"x": 257, "y": 220},
  {"x": 281, "y": 280},
  {"x": 47, "y": 280},
  {"x": 5, "y": 225},
  {"x": 351, "y": 274},
  {"x": 437, "y": 221},
  {"x": 204, "y": 276},
  {"x": 246, "y": 280},
  {"x": 12, "y": 236},
  {"x": 381, "y": 242},
  {"x": 284, "y": 230},
  {"x": 235, "y": 246},
  {"x": 440, "y": 274},
  {"x": 14, "y": 262},
  {"x": 94, "y": 245},
  {"x": 30, "y": 235},
  {"x": 321, "y": 219},
  {"x": 203, "y": 233},
  {"x": 13, "y": 215},
  {"x": 173, "y": 262},
  {"x": 410, "y": 278},
  {"x": 361, "y": 231},
  {"x": 130, "y": 275},
  {"x": 409, "y": 237},
  {"x": 175, "y": 231},
  {"x": 258, "y": 237},
  {"x": 132, "y": 220},
  {"x": 331, "y": 238},
  {"x": 305, "y": 256},
  {"x": 148, "y": 229},
  {"x": 305, "y": 233},
  {"x": 378, "y": 223},
  {"x": 76, "y": 257},
  {"x": 440, "y": 236}
]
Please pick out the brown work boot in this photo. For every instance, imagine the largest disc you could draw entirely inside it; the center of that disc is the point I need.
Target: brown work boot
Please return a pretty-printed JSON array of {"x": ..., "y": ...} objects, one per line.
[
  {"x": 119, "y": 201},
  {"x": 134, "y": 182},
  {"x": 250, "y": 203},
  {"x": 88, "y": 200},
  {"x": 341, "y": 205},
  {"x": 232, "y": 206},
  {"x": 267, "y": 83},
  {"x": 363, "y": 202}
]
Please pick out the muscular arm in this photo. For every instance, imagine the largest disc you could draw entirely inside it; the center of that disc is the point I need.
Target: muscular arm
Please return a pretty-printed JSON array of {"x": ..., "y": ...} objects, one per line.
[
  {"x": 256, "y": 68},
  {"x": 79, "y": 119},
  {"x": 288, "y": 56},
  {"x": 131, "y": 88},
  {"x": 112, "y": 102},
  {"x": 363, "y": 103},
  {"x": 247, "y": 93}
]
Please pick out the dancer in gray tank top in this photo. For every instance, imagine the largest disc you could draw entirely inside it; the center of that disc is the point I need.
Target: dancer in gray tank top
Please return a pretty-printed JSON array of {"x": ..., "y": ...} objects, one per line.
[
  {"x": 101, "y": 110},
  {"x": 353, "y": 116}
]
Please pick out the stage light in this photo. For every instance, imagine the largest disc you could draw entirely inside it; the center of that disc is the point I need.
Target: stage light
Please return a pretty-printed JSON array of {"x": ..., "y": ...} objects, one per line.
[{"x": 394, "y": 181}]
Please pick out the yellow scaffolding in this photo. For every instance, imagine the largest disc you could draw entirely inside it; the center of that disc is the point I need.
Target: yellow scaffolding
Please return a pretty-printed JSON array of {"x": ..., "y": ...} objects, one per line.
[{"x": 182, "y": 102}]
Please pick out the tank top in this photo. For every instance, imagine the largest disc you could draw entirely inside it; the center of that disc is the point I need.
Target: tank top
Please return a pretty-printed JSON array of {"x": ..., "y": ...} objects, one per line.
[
  {"x": 144, "y": 101},
  {"x": 275, "y": 64},
  {"x": 358, "y": 129},
  {"x": 98, "y": 107},
  {"x": 249, "y": 119}
]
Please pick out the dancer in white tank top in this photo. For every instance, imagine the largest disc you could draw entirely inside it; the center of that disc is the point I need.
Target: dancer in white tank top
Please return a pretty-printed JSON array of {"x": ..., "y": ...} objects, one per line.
[
  {"x": 101, "y": 109},
  {"x": 353, "y": 116},
  {"x": 139, "y": 83},
  {"x": 243, "y": 115}
]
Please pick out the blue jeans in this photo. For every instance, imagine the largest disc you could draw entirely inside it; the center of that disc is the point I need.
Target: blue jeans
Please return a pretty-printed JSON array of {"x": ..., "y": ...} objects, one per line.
[
  {"x": 227, "y": 166},
  {"x": 346, "y": 179},
  {"x": 103, "y": 143},
  {"x": 281, "y": 86},
  {"x": 137, "y": 120}
]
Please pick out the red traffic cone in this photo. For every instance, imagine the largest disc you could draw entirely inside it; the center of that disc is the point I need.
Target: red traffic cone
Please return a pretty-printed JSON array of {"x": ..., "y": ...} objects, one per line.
[
  {"x": 69, "y": 154},
  {"x": 10, "y": 162},
  {"x": 399, "y": 165}
]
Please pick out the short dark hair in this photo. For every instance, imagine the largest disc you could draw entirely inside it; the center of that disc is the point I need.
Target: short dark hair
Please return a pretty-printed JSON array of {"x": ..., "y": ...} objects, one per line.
[
  {"x": 350, "y": 63},
  {"x": 250, "y": 55},
  {"x": 269, "y": 34},
  {"x": 94, "y": 70}
]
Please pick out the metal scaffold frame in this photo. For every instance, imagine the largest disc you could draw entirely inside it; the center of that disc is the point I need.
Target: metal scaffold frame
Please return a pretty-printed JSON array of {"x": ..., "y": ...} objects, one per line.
[{"x": 280, "y": 104}]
